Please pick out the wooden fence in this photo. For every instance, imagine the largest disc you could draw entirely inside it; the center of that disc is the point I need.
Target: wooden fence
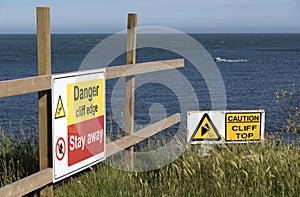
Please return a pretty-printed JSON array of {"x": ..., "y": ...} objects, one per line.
[{"x": 42, "y": 84}]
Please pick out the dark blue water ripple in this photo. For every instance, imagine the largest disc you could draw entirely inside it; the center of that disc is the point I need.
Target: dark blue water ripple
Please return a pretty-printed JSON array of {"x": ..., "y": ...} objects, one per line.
[{"x": 272, "y": 64}]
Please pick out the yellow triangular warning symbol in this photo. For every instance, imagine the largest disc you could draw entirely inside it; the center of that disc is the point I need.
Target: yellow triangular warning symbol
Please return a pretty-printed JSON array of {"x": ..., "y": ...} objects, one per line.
[
  {"x": 60, "y": 111},
  {"x": 205, "y": 130}
]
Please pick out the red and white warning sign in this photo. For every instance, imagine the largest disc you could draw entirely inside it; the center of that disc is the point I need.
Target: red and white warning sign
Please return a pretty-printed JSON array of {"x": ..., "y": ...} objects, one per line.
[{"x": 78, "y": 121}]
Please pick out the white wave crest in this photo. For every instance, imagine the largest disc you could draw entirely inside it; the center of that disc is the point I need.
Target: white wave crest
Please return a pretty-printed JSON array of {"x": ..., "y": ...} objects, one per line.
[{"x": 218, "y": 59}]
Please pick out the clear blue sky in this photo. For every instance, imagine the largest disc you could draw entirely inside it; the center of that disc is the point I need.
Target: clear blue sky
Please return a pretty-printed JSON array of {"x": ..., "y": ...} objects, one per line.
[{"x": 100, "y": 16}]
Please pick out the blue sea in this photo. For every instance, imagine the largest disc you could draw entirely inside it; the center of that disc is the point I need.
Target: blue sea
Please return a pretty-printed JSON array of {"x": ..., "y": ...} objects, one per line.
[{"x": 253, "y": 67}]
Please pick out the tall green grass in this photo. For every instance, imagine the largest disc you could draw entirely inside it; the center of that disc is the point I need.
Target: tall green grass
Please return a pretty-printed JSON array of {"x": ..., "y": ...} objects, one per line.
[
  {"x": 265, "y": 169},
  {"x": 260, "y": 169},
  {"x": 18, "y": 156},
  {"x": 289, "y": 101},
  {"x": 268, "y": 168}
]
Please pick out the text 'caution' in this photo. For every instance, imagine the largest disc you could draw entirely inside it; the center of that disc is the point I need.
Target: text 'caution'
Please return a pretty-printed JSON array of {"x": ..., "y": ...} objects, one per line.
[{"x": 243, "y": 126}]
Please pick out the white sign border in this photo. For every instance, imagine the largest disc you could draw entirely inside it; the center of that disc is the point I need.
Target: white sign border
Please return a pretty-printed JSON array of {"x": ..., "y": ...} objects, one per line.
[
  {"x": 218, "y": 118},
  {"x": 88, "y": 162}
]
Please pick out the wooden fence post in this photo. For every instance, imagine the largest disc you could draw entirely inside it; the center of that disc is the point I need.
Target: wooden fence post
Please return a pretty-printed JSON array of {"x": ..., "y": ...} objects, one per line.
[
  {"x": 129, "y": 86},
  {"x": 44, "y": 68}
]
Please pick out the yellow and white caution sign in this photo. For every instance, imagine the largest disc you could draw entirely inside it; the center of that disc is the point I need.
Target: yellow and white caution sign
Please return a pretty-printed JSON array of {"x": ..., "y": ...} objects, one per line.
[{"x": 207, "y": 127}]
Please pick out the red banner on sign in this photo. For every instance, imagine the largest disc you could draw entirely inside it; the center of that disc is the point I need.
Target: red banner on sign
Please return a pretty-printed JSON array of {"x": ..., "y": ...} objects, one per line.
[{"x": 85, "y": 139}]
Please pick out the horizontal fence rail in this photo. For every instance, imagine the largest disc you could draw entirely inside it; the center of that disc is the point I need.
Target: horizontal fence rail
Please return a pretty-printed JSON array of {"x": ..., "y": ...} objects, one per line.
[
  {"x": 138, "y": 136},
  {"x": 24, "y": 85},
  {"x": 44, "y": 177},
  {"x": 40, "y": 83},
  {"x": 142, "y": 68},
  {"x": 28, "y": 184}
]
